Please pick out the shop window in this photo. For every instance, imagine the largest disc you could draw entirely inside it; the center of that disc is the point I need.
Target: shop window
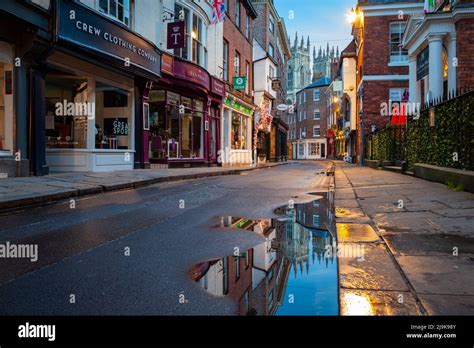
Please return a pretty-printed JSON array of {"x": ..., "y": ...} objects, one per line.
[
  {"x": 113, "y": 121},
  {"x": 176, "y": 126},
  {"x": 67, "y": 111},
  {"x": 239, "y": 131},
  {"x": 314, "y": 149},
  {"x": 117, "y": 9},
  {"x": 397, "y": 53},
  {"x": 6, "y": 101}
]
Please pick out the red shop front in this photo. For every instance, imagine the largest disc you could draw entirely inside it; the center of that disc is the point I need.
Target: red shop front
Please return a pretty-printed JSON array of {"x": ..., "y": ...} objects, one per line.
[{"x": 184, "y": 116}]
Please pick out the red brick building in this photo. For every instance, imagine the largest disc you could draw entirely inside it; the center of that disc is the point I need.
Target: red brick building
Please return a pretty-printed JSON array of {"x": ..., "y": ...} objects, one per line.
[
  {"x": 382, "y": 63},
  {"x": 237, "y": 118},
  {"x": 440, "y": 46}
]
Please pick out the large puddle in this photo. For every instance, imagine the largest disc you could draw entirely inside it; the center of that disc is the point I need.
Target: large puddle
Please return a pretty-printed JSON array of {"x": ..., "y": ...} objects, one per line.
[{"x": 294, "y": 272}]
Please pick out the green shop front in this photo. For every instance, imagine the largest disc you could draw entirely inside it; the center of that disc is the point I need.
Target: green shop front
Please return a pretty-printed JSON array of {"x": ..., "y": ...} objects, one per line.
[{"x": 236, "y": 134}]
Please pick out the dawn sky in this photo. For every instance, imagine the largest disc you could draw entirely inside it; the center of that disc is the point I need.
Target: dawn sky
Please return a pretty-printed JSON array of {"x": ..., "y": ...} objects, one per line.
[{"x": 322, "y": 20}]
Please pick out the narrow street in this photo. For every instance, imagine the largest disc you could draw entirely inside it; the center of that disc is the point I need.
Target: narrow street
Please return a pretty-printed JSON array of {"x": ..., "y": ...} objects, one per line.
[{"x": 133, "y": 252}]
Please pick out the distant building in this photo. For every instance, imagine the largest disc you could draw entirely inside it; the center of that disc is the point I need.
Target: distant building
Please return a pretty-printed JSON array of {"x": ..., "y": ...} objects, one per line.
[
  {"x": 325, "y": 62},
  {"x": 299, "y": 67},
  {"x": 309, "y": 127}
]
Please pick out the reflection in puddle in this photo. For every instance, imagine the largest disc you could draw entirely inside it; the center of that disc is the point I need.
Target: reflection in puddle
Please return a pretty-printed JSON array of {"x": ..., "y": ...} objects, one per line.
[{"x": 292, "y": 273}]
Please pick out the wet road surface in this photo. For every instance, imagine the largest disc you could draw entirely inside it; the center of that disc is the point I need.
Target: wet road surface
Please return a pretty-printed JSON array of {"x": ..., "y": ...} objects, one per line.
[{"x": 133, "y": 252}]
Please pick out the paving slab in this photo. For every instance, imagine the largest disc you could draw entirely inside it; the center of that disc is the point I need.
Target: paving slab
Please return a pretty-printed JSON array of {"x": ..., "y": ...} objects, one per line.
[
  {"x": 355, "y": 233},
  {"x": 439, "y": 274},
  {"x": 377, "y": 271},
  {"x": 412, "y": 244},
  {"x": 346, "y": 203},
  {"x": 447, "y": 304},
  {"x": 405, "y": 221},
  {"x": 368, "y": 302}
]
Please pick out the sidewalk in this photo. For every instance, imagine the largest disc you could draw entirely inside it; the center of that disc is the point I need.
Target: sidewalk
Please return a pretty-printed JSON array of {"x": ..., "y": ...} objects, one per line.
[
  {"x": 418, "y": 240},
  {"x": 19, "y": 192}
]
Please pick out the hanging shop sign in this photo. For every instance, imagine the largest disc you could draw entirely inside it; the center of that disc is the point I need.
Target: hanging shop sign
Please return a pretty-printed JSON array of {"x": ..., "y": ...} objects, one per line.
[
  {"x": 276, "y": 85},
  {"x": 423, "y": 63},
  {"x": 176, "y": 36},
  {"x": 82, "y": 26},
  {"x": 217, "y": 87},
  {"x": 240, "y": 83},
  {"x": 167, "y": 64}
]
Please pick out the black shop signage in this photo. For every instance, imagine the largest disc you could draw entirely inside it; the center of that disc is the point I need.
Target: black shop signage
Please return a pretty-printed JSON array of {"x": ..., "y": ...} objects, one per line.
[
  {"x": 423, "y": 63},
  {"x": 84, "y": 27}
]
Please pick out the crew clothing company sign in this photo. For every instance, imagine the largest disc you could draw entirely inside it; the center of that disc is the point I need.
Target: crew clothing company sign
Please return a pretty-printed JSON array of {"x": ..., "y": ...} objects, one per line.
[{"x": 84, "y": 27}]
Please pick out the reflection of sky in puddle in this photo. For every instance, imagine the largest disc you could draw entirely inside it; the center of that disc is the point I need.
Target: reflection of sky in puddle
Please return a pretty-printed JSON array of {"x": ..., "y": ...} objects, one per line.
[{"x": 289, "y": 274}]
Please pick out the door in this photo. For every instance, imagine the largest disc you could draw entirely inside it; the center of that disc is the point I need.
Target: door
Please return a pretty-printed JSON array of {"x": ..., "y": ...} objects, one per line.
[
  {"x": 323, "y": 150},
  {"x": 213, "y": 131}
]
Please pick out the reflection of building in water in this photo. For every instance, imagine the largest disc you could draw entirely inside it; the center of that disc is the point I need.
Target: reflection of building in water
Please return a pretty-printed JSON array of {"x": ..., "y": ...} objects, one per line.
[{"x": 257, "y": 280}]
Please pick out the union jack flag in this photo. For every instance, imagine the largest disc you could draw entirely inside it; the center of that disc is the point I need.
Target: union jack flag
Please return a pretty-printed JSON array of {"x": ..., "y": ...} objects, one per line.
[{"x": 219, "y": 11}]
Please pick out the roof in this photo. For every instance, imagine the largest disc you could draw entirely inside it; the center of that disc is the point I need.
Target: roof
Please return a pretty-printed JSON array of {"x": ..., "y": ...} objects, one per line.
[{"x": 324, "y": 81}]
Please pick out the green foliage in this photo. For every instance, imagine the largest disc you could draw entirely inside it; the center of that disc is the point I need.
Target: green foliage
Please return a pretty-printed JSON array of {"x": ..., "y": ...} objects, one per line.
[
  {"x": 450, "y": 142},
  {"x": 455, "y": 187}
]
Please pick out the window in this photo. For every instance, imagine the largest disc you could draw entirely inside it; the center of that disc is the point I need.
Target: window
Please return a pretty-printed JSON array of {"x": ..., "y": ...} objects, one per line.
[
  {"x": 237, "y": 267},
  {"x": 226, "y": 61},
  {"x": 225, "y": 276},
  {"x": 237, "y": 13},
  {"x": 247, "y": 26},
  {"x": 316, "y": 131},
  {"x": 272, "y": 24},
  {"x": 68, "y": 132},
  {"x": 304, "y": 113},
  {"x": 301, "y": 116},
  {"x": 195, "y": 42},
  {"x": 271, "y": 50},
  {"x": 317, "y": 114},
  {"x": 315, "y": 220},
  {"x": 270, "y": 300},
  {"x": 315, "y": 149},
  {"x": 247, "y": 75},
  {"x": 304, "y": 97},
  {"x": 299, "y": 97},
  {"x": 117, "y": 9},
  {"x": 239, "y": 131},
  {"x": 237, "y": 64},
  {"x": 397, "y": 53},
  {"x": 316, "y": 95}
]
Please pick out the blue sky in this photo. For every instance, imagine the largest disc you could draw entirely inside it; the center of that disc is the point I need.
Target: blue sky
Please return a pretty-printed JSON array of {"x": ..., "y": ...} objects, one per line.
[{"x": 322, "y": 20}]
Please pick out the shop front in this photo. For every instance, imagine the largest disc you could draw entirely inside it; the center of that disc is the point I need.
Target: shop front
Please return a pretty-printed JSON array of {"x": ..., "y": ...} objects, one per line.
[
  {"x": 311, "y": 149},
  {"x": 94, "y": 86},
  {"x": 237, "y": 124},
  {"x": 184, "y": 116},
  {"x": 23, "y": 25}
]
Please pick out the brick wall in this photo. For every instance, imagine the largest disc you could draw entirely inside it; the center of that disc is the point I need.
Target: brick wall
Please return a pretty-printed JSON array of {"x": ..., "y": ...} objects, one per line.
[
  {"x": 309, "y": 107},
  {"x": 465, "y": 52},
  {"x": 234, "y": 35},
  {"x": 377, "y": 49}
]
